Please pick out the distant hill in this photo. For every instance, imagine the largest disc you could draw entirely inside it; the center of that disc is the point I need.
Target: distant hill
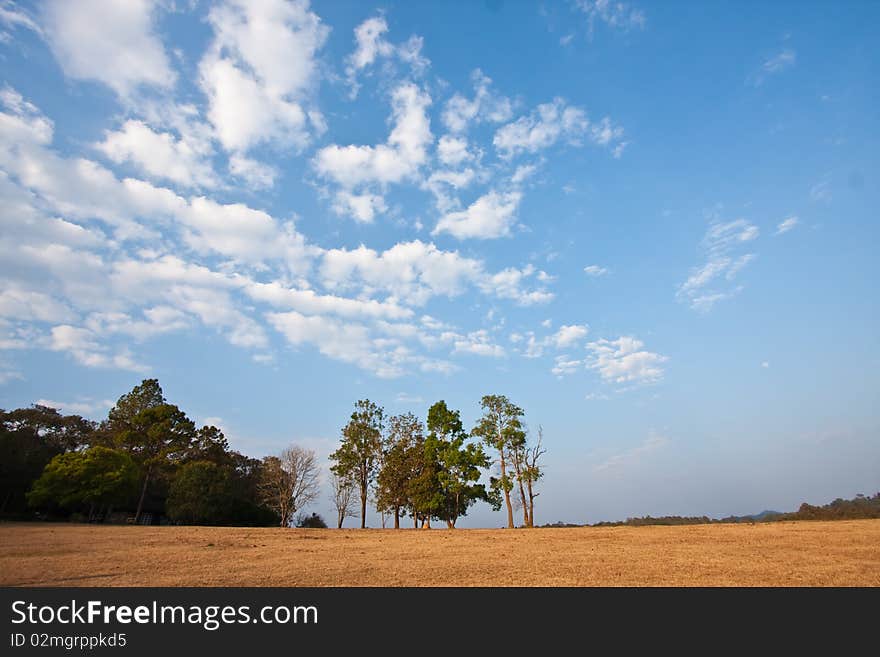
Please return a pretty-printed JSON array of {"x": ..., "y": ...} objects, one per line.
[{"x": 858, "y": 508}]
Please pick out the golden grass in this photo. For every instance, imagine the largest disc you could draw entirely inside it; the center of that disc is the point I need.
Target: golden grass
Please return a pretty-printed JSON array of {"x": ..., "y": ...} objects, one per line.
[{"x": 843, "y": 553}]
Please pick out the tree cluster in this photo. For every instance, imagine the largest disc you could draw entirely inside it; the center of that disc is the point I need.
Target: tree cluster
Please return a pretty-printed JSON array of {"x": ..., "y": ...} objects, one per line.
[
  {"x": 432, "y": 470},
  {"x": 146, "y": 457}
]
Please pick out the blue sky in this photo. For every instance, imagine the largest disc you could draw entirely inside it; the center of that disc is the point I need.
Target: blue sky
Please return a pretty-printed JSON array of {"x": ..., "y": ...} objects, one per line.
[{"x": 651, "y": 225}]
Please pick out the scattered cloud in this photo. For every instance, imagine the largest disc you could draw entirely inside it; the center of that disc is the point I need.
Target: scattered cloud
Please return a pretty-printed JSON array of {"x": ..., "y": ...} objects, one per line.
[
  {"x": 625, "y": 361},
  {"x": 356, "y": 169},
  {"x": 372, "y": 46},
  {"x": 779, "y": 62},
  {"x": 485, "y": 106},
  {"x": 786, "y": 225},
  {"x": 114, "y": 43},
  {"x": 711, "y": 282},
  {"x": 160, "y": 155},
  {"x": 258, "y": 73},
  {"x": 652, "y": 443},
  {"x": 616, "y": 15},
  {"x": 84, "y": 407},
  {"x": 595, "y": 270},
  {"x": 490, "y": 216},
  {"x": 821, "y": 191},
  {"x": 406, "y": 398}
]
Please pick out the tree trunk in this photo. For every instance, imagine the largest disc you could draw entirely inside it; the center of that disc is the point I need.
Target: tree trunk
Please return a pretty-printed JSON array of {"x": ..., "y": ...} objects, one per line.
[
  {"x": 340, "y": 519},
  {"x": 415, "y": 521},
  {"x": 426, "y": 524},
  {"x": 531, "y": 505},
  {"x": 397, "y": 517},
  {"x": 5, "y": 502},
  {"x": 506, "y": 492},
  {"x": 522, "y": 495},
  {"x": 364, "y": 510},
  {"x": 450, "y": 524},
  {"x": 137, "y": 514}
]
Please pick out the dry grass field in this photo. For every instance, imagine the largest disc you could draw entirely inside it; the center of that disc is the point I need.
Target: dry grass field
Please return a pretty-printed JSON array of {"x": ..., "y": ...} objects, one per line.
[{"x": 844, "y": 553}]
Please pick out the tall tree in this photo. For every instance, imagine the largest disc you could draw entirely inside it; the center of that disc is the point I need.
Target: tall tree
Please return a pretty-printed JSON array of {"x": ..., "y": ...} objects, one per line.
[
  {"x": 500, "y": 425},
  {"x": 289, "y": 482},
  {"x": 359, "y": 454},
  {"x": 342, "y": 494},
  {"x": 403, "y": 448},
  {"x": 533, "y": 471},
  {"x": 156, "y": 435},
  {"x": 517, "y": 449},
  {"x": 458, "y": 464}
]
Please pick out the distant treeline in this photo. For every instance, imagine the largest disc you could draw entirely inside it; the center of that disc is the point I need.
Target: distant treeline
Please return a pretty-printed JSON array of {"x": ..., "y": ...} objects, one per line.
[{"x": 861, "y": 507}]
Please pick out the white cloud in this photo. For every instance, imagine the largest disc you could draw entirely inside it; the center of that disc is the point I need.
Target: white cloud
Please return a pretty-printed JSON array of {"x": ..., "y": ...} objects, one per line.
[
  {"x": 779, "y": 62},
  {"x": 361, "y": 207},
  {"x": 522, "y": 173},
  {"x": 478, "y": 343},
  {"x": 593, "y": 396},
  {"x": 625, "y": 361},
  {"x": 159, "y": 154},
  {"x": 257, "y": 175},
  {"x": 371, "y": 45},
  {"x": 356, "y": 168},
  {"x": 566, "y": 336},
  {"x": 821, "y": 191},
  {"x": 84, "y": 407},
  {"x": 615, "y": 14},
  {"x": 453, "y": 150},
  {"x": 652, "y": 443},
  {"x": 485, "y": 106},
  {"x": 406, "y": 398},
  {"x": 87, "y": 349},
  {"x": 550, "y": 123},
  {"x": 595, "y": 270},
  {"x": 765, "y": 364},
  {"x": 259, "y": 71},
  {"x": 720, "y": 244},
  {"x": 786, "y": 225},
  {"x": 354, "y": 343},
  {"x": 112, "y": 42},
  {"x": 508, "y": 284},
  {"x": 489, "y": 217}
]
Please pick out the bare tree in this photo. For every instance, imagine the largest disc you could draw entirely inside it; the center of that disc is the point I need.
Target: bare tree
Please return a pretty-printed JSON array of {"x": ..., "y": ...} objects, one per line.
[
  {"x": 343, "y": 497},
  {"x": 532, "y": 472},
  {"x": 289, "y": 482}
]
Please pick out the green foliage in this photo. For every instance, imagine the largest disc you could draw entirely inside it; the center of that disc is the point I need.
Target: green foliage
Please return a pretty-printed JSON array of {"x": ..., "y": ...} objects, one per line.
[
  {"x": 208, "y": 493},
  {"x": 457, "y": 464},
  {"x": 29, "y": 438},
  {"x": 359, "y": 455},
  {"x": 402, "y": 455},
  {"x": 96, "y": 476},
  {"x": 501, "y": 429}
]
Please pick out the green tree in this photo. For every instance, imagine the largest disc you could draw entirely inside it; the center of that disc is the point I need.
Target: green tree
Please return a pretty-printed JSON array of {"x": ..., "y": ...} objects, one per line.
[
  {"x": 202, "y": 493},
  {"x": 500, "y": 427},
  {"x": 359, "y": 455},
  {"x": 209, "y": 444},
  {"x": 403, "y": 448},
  {"x": 97, "y": 477},
  {"x": 457, "y": 464},
  {"x": 29, "y": 438},
  {"x": 156, "y": 434}
]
